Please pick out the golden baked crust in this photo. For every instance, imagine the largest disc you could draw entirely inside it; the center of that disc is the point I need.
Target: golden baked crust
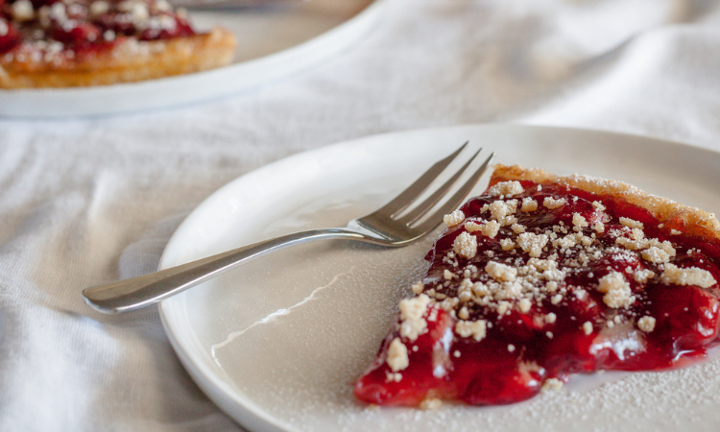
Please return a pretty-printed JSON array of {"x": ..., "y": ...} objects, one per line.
[
  {"x": 130, "y": 60},
  {"x": 674, "y": 215}
]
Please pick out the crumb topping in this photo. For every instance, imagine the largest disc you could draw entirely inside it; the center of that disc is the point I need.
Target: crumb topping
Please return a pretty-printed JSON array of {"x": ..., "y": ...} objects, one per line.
[
  {"x": 616, "y": 289},
  {"x": 454, "y": 218},
  {"x": 474, "y": 329},
  {"x": 506, "y": 188},
  {"x": 488, "y": 229},
  {"x": 500, "y": 209},
  {"x": 630, "y": 223},
  {"x": 532, "y": 243},
  {"x": 397, "y": 357},
  {"x": 417, "y": 288},
  {"x": 501, "y": 272},
  {"x": 553, "y": 203},
  {"x": 411, "y": 315},
  {"x": 534, "y": 266},
  {"x": 465, "y": 245},
  {"x": 552, "y": 385},
  {"x": 528, "y": 205},
  {"x": 646, "y": 324},
  {"x": 579, "y": 221},
  {"x": 687, "y": 276}
]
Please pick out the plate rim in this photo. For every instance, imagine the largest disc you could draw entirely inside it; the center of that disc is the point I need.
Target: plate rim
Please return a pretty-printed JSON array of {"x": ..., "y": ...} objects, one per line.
[
  {"x": 202, "y": 375},
  {"x": 53, "y": 103}
]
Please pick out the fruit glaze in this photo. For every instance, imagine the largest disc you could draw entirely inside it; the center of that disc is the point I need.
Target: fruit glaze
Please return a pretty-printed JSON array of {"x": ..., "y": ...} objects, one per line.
[
  {"x": 50, "y": 30},
  {"x": 533, "y": 282}
]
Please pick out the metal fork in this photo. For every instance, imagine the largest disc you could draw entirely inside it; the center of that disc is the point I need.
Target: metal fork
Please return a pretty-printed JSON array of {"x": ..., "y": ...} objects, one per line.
[{"x": 400, "y": 222}]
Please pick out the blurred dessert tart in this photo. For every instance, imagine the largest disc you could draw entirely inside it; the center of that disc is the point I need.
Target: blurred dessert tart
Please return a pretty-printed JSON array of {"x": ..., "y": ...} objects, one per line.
[{"x": 69, "y": 43}]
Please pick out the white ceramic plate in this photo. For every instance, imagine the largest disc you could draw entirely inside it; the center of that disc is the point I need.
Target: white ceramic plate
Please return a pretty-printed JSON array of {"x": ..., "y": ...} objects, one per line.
[
  {"x": 278, "y": 343},
  {"x": 273, "y": 42}
]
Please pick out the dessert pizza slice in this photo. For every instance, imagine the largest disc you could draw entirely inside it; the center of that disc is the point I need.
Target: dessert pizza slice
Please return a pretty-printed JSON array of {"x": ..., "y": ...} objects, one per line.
[
  {"x": 53, "y": 43},
  {"x": 545, "y": 276}
]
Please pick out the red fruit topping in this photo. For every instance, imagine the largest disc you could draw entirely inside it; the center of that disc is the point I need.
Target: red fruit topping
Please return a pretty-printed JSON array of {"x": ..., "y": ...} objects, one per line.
[
  {"x": 83, "y": 26},
  {"x": 9, "y": 36},
  {"x": 532, "y": 282}
]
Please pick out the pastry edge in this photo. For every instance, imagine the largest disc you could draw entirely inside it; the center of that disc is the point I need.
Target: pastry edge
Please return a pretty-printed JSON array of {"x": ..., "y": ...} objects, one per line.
[
  {"x": 674, "y": 215},
  {"x": 131, "y": 61}
]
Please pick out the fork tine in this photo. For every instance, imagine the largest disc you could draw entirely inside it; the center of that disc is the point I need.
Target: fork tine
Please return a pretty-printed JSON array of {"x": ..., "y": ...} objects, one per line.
[
  {"x": 454, "y": 201},
  {"x": 422, "y": 208},
  {"x": 400, "y": 202}
]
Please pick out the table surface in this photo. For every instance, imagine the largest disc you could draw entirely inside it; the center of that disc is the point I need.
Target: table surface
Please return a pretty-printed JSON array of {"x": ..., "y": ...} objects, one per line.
[{"x": 89, "y": 200}]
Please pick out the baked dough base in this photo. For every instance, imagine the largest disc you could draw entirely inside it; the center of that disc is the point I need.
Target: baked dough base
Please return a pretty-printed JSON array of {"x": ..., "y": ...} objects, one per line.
[
  {"x": 129, "y": 61},
  {"x": 673, "y": 215}
]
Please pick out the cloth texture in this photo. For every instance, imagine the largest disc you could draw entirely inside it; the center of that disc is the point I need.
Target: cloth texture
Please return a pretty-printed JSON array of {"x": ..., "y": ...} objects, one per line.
[{"x": 87, "y": 201}]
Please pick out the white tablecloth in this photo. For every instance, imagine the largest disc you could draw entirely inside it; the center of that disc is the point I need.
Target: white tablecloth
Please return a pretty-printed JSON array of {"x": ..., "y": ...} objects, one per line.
[{"x": 86, "y": 201}]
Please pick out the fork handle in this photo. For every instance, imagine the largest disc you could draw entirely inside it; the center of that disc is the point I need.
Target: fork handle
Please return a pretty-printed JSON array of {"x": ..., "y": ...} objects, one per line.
[{"x": 130, "y": 294}]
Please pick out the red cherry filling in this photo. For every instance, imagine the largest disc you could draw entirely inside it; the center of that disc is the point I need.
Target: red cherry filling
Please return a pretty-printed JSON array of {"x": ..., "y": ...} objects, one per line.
[
  {"x": 429, "y": 352},
  {"x": 81, "y": 33},
  {"x": 84, "y": 26},
  {"x": 9, "y": 36},
  {"x": 531, "y": 283}
]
